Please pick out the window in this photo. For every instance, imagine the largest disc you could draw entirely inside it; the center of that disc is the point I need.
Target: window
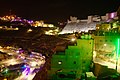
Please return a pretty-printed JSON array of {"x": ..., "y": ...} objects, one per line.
[
  {"x": 74, "y": 62},
  {"x": 83, "y": 62},
  {"x": 100, "y": 40},
  {"x": 110, "y": 40},
  {"x": 105, "y": 40},
  {"x": 59, "y": 62}
]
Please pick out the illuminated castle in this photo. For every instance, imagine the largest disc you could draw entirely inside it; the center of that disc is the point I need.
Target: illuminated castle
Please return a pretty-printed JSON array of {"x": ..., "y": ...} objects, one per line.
[{"x": 76, "y": 25}]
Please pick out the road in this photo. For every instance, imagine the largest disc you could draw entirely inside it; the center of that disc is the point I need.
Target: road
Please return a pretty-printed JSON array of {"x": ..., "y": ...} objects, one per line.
[{"x": 33, "y": 61}]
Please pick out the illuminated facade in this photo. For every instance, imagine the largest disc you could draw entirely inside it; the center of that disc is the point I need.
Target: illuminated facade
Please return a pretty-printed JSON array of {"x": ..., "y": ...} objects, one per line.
[
  {"x": 108, "y": 28},
  {"x": 76, "y": 25},
  {"x": 106, "y": 51},
  {"x": 105, "y": 43},
  {"x": 73, "y": 62}
]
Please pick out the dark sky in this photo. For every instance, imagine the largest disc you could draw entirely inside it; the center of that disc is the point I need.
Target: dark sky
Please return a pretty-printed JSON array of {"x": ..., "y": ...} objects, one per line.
[{"x": 57, "y": 10}]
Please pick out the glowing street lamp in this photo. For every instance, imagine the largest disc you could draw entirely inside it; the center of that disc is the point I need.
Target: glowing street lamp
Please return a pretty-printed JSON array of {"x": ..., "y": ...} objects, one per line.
[
  {"x": 105, "y": 44},
  {"x": 5, "y": 79},
  {"x": 73, "y": 39},
  {"x": 29, "y": 30},
  {"x": 117, "y": 53}
]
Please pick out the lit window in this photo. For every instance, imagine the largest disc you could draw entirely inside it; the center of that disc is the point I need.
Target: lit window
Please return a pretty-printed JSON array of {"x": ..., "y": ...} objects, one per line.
[
  {"x": 105, "y": 44},
  {"x": 60, "y": 62}
]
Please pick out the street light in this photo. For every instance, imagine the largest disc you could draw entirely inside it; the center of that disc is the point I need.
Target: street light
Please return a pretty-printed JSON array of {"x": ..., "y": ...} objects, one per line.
[
  {"x": 73, "y": 39},
  {"x": 117, "y": 53},
  {"x": 29, "y": 30}
]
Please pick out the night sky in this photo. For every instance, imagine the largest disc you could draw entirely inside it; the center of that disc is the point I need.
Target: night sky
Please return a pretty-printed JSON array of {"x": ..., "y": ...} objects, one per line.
[{"x": 57, "y": 10}]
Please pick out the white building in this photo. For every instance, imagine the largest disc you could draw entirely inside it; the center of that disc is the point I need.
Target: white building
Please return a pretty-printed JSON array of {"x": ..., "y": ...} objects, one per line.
[{"x": 76, "y": 25}]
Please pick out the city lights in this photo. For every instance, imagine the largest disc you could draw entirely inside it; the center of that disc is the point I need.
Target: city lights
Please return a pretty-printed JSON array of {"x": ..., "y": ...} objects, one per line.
[
  {"x": 28, "y": 66},
  {"x": 52, "y": 47},
  {"x": 33, "y": 63},
  {"x": 73, "y": 39},
  {"x": 16, "y": 28},
  {"x": 29, "y": 30}
]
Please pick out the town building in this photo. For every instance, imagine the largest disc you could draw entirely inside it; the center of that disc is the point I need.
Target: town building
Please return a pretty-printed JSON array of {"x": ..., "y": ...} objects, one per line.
[
  {"x": 77, "y": 25},
  {"x": 73, "y": 62}
]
